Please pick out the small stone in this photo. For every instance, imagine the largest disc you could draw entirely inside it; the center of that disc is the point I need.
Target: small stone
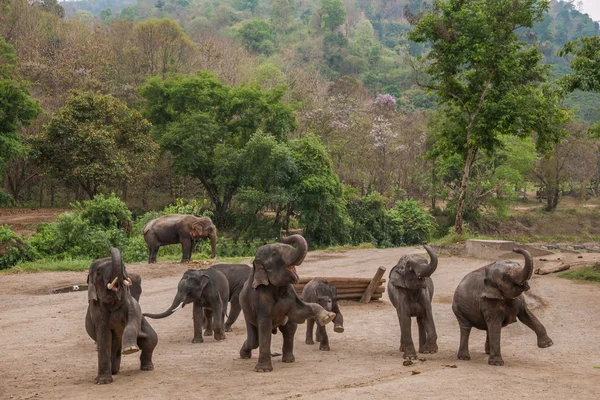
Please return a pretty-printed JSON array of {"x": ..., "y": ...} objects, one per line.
[
  {"x": 407, "y": 363},
  {"x": 415, "y": 372},
  {"x": 451, "y": 366}
]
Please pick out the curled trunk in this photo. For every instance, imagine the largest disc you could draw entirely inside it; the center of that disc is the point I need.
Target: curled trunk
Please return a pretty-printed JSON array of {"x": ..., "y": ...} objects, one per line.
[
  {"x": 430, "y": 268},
  {"x": 177, "y": 303},
  {"x": 524, "y": 274},
  {"x": 117, "y": 265},
  {"x": 295, "y": 258}
]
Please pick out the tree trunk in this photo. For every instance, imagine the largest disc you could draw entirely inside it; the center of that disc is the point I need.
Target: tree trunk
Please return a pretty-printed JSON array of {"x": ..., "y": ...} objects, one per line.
[
  {"x": 462, "y": 192},
  {"x": 433, "y": 186}
]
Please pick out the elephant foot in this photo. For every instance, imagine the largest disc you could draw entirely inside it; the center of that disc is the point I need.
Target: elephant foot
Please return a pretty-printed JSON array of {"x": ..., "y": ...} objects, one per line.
[
  {"x": 318, "y": 337},
  {"x": 429, "y": 349},
  {"x": 103, "y": 379},
  {"x": 324, "y": 347},
  {"x": 309, "y": 341},
  {"x": 219, "y": 336},
  {"x": 464, "y": 356},
  {"x": 288, "y": 358},
  {"x": 545, "y": 342},
  {"x": 495, "y": 360},
  {"x": 130, "y": 350},
  {"x": 410, "y": 353},
  {"x": 245, "y": 354},
  {"x": 339, "y": 328},
  {"x": 198, "y": 340},
  {"x": 147, "y": 366},
  {"x": 263, "y": 367},
  {"x": 208, "y": 333},
  {"x": 227, "y": 328},
  {"x": 401, "y": 348},
  {"x": 325, "y": 317}
]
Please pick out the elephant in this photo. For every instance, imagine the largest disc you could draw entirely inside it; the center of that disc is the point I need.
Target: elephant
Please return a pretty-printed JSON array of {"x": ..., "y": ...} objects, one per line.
[
  {"x": 490, "y": 298},
  {"x": 178, "y": 228},
  {"x": 237, "y": 275},
  {"x": 269, "y": 301},
  {"x": 208, "y": 289},
  {"x": 114, "y": 318},
  {"x": 410, "y": 289},
  {"x": 319, "y": 291}
]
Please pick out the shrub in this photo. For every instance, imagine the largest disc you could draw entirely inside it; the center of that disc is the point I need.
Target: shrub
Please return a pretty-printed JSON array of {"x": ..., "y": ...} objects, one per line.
[
  {"x": 413, "y": 225},
  {"x": 369, "y": 220},
  {"x": 13, "y": 248},
  {"x": 105, "y": 211}
]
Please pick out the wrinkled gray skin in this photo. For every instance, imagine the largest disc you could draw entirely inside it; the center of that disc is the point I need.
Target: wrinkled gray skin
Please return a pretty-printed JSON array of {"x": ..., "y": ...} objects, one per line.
[
  {"x": 114, "y": 319},
  {"x": 319, "y": 291},
  {"x": 490, "y": 298},
  {"x": 269, "y": 301},
  {"x": 237, "y": 275},
  {"x": 208, "y": 290},
  {"x": 410, "y": 289},
  {"x": 178, "y": 228}
]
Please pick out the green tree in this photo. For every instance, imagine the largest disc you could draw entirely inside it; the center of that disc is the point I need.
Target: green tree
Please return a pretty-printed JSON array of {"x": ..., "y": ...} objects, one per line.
[
  {"x": 206, "y": 125},
  {"x": 488, "y": 82},
  {"x": 333, "y": 14},
  {"x": 16, "y": 106},
  {"x": 282, "y": 15},
  {"x": 95, "y": 140},
  {"x": 256, "y": 36}
]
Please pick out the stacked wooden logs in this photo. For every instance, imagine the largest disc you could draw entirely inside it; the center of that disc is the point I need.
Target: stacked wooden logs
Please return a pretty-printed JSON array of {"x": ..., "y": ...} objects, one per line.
[{"x": 350, "y": 288}]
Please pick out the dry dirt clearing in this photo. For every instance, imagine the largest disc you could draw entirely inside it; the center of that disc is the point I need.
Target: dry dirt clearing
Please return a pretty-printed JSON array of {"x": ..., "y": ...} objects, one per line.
[{"x": 46, "y": 352}]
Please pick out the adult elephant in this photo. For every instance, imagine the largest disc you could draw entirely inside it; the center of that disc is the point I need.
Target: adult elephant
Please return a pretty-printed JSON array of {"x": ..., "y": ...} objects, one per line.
[
  {"x": 237, "y": 275},
  {"x": 208, "y": 289},
  {"x": 178, "y": 228},
  {"x": 269, "y": 301},
  {"x": 114, "y": 318},
  {"x": 410, "y": 289},
  {"x": 490, "y": 298}
]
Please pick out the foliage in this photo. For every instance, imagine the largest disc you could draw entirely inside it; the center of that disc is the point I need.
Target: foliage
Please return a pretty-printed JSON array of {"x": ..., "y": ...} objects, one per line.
[
  {"x": 256, "y": 36},
  {"x": 590, "y": 274},
  {"x": 95, "y": 140},
  {"x": 13, "y": 248},
  {"x": 105, "y": 211},
  {"x": 369, "y": 220},
  {"x": 333, "y": 14},
  {"x": 415, "y": 224}
]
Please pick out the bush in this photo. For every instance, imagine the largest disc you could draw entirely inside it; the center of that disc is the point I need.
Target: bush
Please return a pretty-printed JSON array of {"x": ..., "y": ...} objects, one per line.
[
  {"x": 105, "y": 211},
  {"x": 13, "y": 248},
  {"x": 369, "y": 220},
  {"x": 413, "y": 225}
]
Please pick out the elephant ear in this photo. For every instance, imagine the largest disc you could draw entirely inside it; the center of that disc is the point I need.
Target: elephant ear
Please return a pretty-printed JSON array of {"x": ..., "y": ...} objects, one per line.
[
  {"x": 397, "y": 275},
  {"x": 260, "y": 276},
  {"x": 491, "y": 290},
  {"x": 92, "y": 296}
]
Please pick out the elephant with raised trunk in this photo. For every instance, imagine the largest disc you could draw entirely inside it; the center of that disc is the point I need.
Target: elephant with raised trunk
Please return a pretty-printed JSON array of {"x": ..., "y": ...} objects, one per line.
[
  {"x": 208, "y": 289},
  {"x": 114, "y": 318},
  {"x": 490, "y": 298},
  {"x": 410, "y": 289},
  {"x": 269, "y": 301},
  {"x": 178, "y": 228},
  {"x": 319, "y": 291}
]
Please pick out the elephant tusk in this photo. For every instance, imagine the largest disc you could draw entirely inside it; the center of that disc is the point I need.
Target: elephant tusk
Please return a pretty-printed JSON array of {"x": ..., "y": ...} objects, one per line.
[
  {"x": 111, "y": 285},
  {"x": 127, "y": 282},
  {"x": 178, "y": 307}
]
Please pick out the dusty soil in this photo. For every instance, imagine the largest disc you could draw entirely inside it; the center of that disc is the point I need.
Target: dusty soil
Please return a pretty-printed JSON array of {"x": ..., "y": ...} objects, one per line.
[
  {"x": 46, "y": 352},
  {"x": 24, "y": 220}
]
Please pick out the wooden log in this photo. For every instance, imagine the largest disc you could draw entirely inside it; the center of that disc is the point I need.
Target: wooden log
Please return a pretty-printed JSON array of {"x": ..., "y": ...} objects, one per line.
[
  {"x": 357, "y": 297},
  {"x": 335, "y": 279},
  {"x": 378, "y": 289},
  {"x": 374, "y": 283},
  {"x": 556, "y": 267}
]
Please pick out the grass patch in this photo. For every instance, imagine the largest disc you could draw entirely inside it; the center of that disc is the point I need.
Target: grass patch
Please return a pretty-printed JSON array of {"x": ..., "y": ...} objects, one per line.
[{"x": 589, "y": 274}]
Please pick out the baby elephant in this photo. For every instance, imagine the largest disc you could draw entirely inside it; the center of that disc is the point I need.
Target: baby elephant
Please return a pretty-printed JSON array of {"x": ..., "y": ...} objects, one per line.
[
  {"x": 490, "y": 298},
  {"x": 323, "y": 293},
  {"x": 411, "y": 289}
]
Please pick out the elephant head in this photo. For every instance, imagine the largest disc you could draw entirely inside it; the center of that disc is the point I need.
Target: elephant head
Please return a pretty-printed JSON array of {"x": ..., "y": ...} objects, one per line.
[
  {"x": 189, "y": 289},
  {"x": 276, "y": 263},
  {"x": 411, "y": 270},
  {"x": 204, "y": 227},
  {"x": 507, "y": 279},
  {"x": 326, "y": 295},
  {"x": 107, "y": 283}
]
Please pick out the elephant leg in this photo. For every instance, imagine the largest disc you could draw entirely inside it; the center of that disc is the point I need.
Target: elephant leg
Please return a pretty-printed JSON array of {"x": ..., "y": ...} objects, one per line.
[
  {"x": 487, "y": 343},
  {"x": 198, "y": 315},
  {"x": 324, "y": 342},
  {"x": 265, "y": 328},
  {"x": 104, "y": 341},
  {"x": 494, "y": 332},
  {"x": 338, "y": 321},
  {"x": 301, "y": 311},
  {"x": 218, "y": 317},
  {"x": 234, "y": 311},
  {"x": 463, "y": 350},
  {"x": 208, "y": 315},
  {"x": 288, "y": 331},
  {"x": 422, "y": 334},
  {"x": 115, "y": 356},
  {"x": 430, "y": 346},
  {"x": 310, "y": 324},
  {"x": 152, "y": 253},
  {"x": 527, "y": 317},
  {"x": 251, "y": 342},
  {"x": 130, "y": 335},
  {"x": 147, "y": 341},
  {"x": 406, "y": 342},
  {"x": 186, "y": 249}
]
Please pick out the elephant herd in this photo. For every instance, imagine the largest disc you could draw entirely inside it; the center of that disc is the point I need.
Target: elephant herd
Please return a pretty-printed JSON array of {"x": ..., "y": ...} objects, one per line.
[{"x": 488, "y": 299}]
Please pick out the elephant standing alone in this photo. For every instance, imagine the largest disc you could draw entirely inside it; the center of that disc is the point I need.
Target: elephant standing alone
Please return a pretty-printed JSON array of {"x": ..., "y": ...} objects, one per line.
[{"x": 178, "y": 228}]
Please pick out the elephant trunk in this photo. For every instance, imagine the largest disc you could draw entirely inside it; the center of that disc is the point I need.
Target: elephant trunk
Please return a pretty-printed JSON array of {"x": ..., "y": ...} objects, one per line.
[
  {"x": 432, "y": 266},
  {"x": 177, "y": 304},
  {"x": 524, "y": 274},
  {"x": 296, "y": 257},
  {"x": 213, "y": 243},
  {"x": 116, "y": 271}
]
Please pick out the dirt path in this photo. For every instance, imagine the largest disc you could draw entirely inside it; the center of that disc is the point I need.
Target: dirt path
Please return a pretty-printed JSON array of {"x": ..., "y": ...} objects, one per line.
[
  {"x": 24, "y": 220},
  {"x": 46, "y": 353}
]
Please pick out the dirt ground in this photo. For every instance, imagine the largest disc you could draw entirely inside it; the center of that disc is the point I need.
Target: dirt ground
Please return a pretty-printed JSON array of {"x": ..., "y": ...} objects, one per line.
[
  {"x": 46, "y": 352},
  {"x": 24, "y": 220}
]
